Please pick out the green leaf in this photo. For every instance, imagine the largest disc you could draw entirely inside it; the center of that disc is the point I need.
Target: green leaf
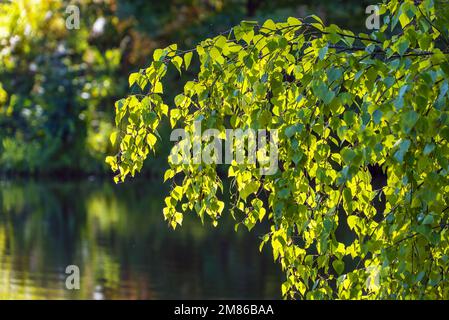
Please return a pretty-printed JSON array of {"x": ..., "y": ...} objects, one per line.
[
  {"x": 334, "y": 74},
  {"x": 318, "y": 19},
  {"x": 404, "y": 20},
  {"x": 292, "y": 21},
  {"x": 177, "y": 62},
  {"x": 348, "y": 155},
  {"x": 157, "y": 88},
  {"x": 133, "y": 77},
  {"x": 178, "y": 218},
  {"x": 339, "y": 266},
  {"x": 408, "y": 120},
  {"x": 168, "y": 174},
  {"x": 284, "y": 193},
  {"x": 159, "y": 54},
  {"x": 322, "y": 52},
  {"x": 428, "y": 149},
  {"x": 291, "y": 130},
  {"x": 323, "y": 92},
  {"x": 403, "y": 148},
  {"x": 352, "y": 221},
  {"x": 249, "y": 188},
  {"x": 249, "y": 23},
  {"x": 177, "y": 193},
  {"x": 113, "y": 137},
  {"x": 151, "y": 139},
  {"x": 187, "y": 59},
  {"x": 269, "y": 24},
  {"x": 403, "y": 46},
  {"x": 377, "y": 116},
  {"x": 216, "y": 55},
  {"x": 428, "y": 219}
]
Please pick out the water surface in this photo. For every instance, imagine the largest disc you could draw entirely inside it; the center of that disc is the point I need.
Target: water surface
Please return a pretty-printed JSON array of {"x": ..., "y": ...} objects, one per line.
[{"x": 124, "y": 249}]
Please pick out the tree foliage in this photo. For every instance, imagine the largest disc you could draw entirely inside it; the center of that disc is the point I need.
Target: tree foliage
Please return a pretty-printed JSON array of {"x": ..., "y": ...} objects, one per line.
[
  {"x": 56, "y": 83},
  {"x": 344, "y": 104}
]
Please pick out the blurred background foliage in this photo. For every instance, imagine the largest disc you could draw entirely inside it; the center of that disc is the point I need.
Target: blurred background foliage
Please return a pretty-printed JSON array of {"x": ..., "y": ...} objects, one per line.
[{"x": 58, "y": 86}]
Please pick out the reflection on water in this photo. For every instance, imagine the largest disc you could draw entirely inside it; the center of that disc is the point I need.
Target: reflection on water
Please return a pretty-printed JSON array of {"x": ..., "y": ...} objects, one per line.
[{"x": 117, "y": 237}]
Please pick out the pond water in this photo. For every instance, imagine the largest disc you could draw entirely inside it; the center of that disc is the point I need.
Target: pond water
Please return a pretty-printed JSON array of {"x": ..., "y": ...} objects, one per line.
[{"x": 117, "y": 237}]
